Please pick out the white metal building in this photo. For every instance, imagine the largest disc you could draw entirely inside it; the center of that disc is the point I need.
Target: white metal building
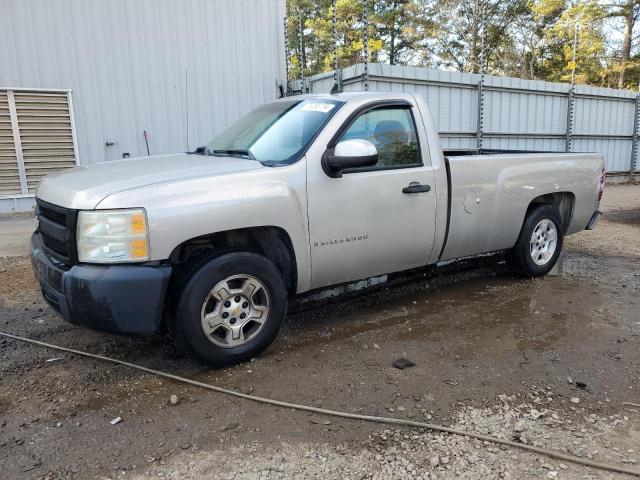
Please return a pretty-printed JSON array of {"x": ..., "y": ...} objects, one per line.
[{"x": 85, "y": 81}]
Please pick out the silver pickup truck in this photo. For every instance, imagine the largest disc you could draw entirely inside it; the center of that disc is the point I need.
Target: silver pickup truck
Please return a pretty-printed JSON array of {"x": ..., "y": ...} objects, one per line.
[{"x": 300, "y": 194}]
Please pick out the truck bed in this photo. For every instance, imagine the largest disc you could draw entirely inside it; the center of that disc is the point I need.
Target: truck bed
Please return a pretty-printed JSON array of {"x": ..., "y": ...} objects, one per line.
[{"x": 489, "y": 193}]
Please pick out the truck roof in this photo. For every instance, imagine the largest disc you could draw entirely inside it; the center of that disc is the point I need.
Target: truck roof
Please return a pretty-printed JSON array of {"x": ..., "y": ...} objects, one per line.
[{"x": 353, "y": 96}]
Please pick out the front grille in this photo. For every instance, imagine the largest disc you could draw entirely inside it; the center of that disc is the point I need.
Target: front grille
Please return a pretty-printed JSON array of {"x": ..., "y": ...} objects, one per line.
[
  {"x": 61, "y": 248},
  {"x": 57, "y": 226},
  {"x": 53, "y": 215}
]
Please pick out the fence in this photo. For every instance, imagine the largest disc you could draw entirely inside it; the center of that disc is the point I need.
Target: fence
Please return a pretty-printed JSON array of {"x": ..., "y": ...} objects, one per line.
[{"x": 474, "y": 111}]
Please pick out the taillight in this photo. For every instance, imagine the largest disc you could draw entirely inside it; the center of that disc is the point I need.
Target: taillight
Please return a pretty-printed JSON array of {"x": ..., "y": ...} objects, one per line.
[{"x": 603, "y": 179}]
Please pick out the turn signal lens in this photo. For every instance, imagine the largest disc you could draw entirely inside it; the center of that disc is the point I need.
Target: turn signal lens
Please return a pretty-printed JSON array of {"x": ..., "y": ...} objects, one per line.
[
  {"x": 138, "y": 223},
  {"x": 139, "y": 249}
]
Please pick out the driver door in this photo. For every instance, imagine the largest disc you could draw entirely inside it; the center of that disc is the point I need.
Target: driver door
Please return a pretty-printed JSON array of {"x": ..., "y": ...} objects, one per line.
[{"x": 368, "y": 222}]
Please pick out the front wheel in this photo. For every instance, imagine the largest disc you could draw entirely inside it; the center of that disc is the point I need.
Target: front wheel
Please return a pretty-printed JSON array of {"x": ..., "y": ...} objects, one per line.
[
  {"x": 229, "y": 308},
  {"x": 540, "y": 242}
]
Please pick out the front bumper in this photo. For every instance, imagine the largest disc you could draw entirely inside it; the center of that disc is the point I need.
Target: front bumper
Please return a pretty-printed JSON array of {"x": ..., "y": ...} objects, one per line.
[{"x": 114, "y": 298}]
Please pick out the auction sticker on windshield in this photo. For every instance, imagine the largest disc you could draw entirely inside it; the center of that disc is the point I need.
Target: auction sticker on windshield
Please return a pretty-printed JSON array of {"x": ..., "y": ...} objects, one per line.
[{"x": 317, "y": 107}]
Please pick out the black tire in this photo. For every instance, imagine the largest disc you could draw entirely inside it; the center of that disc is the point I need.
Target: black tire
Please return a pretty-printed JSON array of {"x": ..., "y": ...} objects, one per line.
[
  {"x": 192, "y": 290},
  {"x": 522, "y": 257}
]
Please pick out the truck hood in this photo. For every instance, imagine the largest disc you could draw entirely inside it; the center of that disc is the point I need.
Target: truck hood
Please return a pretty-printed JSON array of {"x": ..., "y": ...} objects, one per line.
[{"x": 86, "y": 187}]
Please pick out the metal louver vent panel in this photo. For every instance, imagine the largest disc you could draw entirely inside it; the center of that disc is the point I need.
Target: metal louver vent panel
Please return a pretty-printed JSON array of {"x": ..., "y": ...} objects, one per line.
[
  {"x": 46, "y": 134},
  {"x": 9, "y": 173}
]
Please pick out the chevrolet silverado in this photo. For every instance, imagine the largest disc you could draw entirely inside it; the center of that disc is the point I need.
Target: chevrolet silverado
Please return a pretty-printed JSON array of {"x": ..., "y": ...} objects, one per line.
[{"x": 300, "y": 194}]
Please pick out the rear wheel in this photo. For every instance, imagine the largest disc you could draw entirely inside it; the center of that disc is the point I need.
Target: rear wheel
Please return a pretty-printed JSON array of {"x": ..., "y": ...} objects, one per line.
[
  {"x": 229, "y": 308},
  {"x": 540, "y": 242}
]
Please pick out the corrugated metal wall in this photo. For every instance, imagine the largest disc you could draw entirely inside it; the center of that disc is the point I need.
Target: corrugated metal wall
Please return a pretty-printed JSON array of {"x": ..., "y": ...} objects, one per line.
[
  {"x": 516, "y": 114},
  {"x": 45, "y": 128},
  {"x": 37, "y": 137},
  {"x": 180, "y": 69},
  {"x": 9, "y": 173}
]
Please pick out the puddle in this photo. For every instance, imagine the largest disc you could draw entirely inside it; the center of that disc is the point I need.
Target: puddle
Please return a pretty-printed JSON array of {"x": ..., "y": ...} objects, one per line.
[
  {"x": 574, "y": 265},
  {"x": 473, "y": 317},
  {"x": 496, "y": 314},
  {"x": 630, "y": 217}
]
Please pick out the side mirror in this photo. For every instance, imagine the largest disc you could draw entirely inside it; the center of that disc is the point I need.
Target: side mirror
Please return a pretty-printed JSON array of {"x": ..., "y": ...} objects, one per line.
[{"x": 349, "y": 154}]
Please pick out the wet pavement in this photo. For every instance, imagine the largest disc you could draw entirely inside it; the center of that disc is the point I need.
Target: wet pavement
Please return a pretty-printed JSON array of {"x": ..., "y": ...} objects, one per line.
[{"x": 474, "y": 333}]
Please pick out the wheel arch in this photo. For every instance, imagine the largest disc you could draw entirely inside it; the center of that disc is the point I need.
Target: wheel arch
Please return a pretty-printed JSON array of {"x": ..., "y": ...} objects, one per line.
[
  {"x": 271, "y": 242},
  {"x": 563, "y": 201}
]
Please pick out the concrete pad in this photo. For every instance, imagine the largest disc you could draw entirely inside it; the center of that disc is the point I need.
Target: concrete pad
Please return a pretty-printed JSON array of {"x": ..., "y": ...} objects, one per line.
[{"x": 14, "y": 235}]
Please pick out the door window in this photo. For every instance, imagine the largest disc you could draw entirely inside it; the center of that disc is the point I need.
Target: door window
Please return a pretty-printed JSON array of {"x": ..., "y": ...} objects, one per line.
[{"x": 393, "y": 132}]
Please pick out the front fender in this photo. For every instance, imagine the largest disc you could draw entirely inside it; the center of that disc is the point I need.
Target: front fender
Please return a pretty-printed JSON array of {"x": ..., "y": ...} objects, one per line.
[{"x": 179, "y": 211}]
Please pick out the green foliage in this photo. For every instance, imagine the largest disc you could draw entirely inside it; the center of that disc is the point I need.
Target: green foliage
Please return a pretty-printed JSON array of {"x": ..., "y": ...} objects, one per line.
[
  {"x": 563, "y": 19},
  {"x": 404, "y": 27},
  {"x": 317, "y": 35},
  {"x": 523, "y": 38}
]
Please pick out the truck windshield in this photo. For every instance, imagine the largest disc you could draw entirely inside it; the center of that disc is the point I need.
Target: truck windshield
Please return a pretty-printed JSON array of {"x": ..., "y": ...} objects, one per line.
[{"x": 275, "y": 133}]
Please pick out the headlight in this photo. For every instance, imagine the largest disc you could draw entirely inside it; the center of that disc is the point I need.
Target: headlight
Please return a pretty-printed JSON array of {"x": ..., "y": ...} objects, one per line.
[{"x": 113, "y": 236}]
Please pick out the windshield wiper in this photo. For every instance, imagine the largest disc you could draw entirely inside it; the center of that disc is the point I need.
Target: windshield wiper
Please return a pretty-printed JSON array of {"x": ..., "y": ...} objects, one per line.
[
  {"x": 233, "y": 153},
  {"x": 199, "y": 151}
]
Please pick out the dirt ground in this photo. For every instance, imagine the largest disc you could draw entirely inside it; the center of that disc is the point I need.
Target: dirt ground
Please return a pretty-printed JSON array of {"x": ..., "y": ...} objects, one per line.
[{"x": 549, "y": 362}]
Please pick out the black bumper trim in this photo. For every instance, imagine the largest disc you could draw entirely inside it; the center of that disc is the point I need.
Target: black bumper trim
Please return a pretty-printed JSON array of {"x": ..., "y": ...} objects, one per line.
[
  {"x": 594, "y": 220},
  {"x": 114, "y": 298}
]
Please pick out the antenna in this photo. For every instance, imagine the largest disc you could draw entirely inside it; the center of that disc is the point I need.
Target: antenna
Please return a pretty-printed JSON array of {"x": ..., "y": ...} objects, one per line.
[{"x": 186, "y": 106}]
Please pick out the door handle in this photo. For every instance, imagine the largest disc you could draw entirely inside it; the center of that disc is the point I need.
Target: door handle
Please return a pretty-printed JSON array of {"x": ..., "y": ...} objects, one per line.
[{"x": 416, "y": 187}]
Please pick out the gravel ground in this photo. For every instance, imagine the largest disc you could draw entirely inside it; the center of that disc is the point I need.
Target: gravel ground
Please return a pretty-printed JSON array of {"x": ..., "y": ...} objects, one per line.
[
  {"x": 548, "y": 362},
  {"x": 406, "y": 454}
]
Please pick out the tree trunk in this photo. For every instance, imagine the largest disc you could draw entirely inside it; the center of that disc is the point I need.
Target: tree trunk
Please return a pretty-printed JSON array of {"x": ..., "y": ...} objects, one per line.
[
  {"x": 626, "y": 43},
  {"x": 532, "y": 59},
  {"x": 392, "y": 46},
  {"x": 475, "y": 37}
]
